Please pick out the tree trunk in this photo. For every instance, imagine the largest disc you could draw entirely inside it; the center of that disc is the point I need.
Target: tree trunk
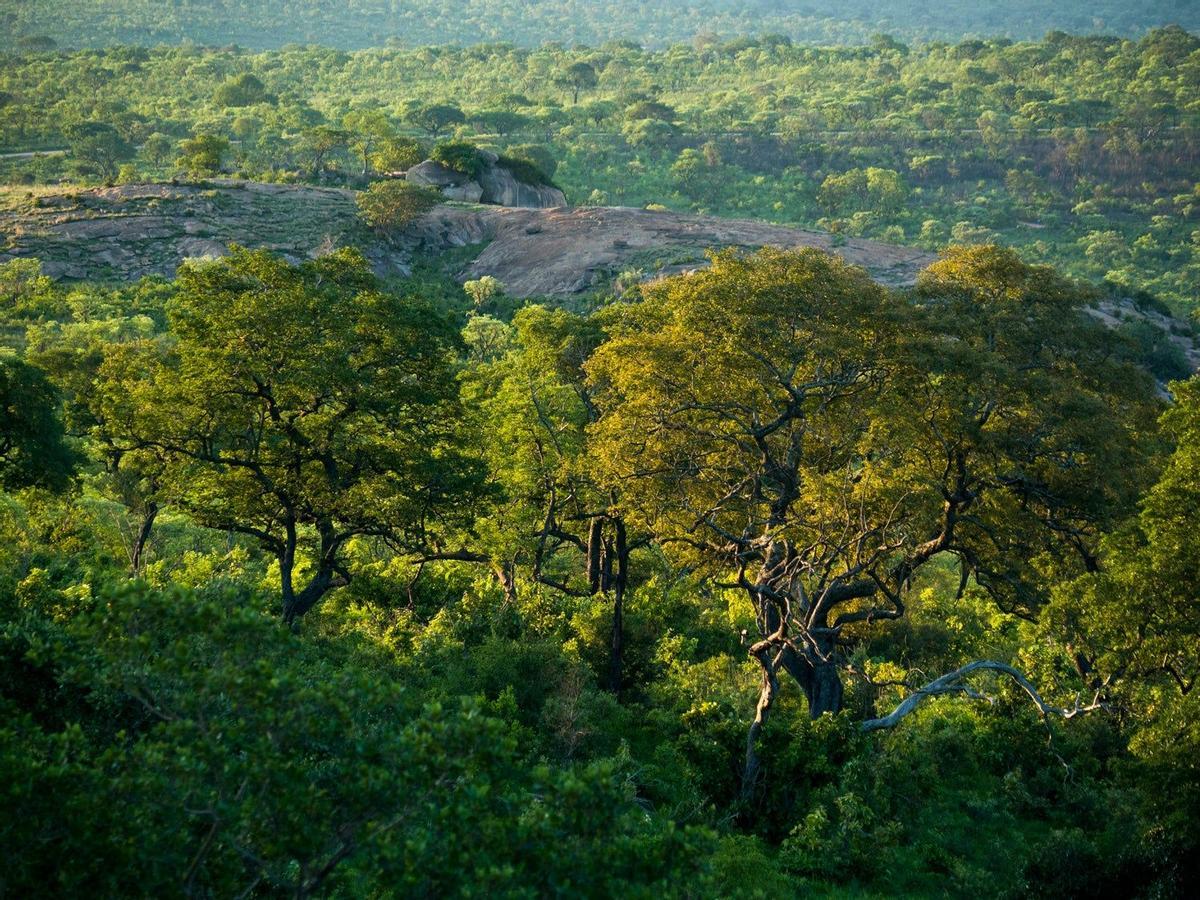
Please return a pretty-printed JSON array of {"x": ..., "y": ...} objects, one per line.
[
  {"x": 301, "y": 603},
  {"x": 594, "y": 544},
  {"x": 508, "y": 583},
  {"x": 823, "y": 688},
  {"x": 766, "y": 699},
  {"x": 817, "y": 675},
  {"x": 295, "y": 604},
  {"x": 143, "y": 536},
  {"x": 620, "y": 579}
]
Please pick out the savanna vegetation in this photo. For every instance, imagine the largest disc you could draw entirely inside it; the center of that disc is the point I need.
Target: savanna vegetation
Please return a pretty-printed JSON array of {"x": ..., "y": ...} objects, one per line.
[
  {"x": 766, "y": 580},
  {"x": 349, "y": 24},
  {"x": 1081, "y": 152},
  {"x": 758, "y": 582}
]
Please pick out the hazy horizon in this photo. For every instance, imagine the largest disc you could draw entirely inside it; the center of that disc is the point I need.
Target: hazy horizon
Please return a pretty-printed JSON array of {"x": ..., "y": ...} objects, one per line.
[{"x": 355, "y": 24}]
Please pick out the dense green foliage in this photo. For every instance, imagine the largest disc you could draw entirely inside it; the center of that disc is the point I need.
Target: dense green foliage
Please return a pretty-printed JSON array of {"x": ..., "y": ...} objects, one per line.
[
  {"x": 362, "y": 23},
  {"x": 765, "y": 580},
  {"x": 388, "y": 206},
  {"x": 1081, "y": 152},
  {"x": 525, "y": 670}
]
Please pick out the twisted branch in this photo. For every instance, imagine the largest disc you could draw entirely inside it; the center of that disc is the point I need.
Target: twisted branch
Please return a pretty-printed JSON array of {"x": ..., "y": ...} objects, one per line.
[{"x": 953, "y": 683}]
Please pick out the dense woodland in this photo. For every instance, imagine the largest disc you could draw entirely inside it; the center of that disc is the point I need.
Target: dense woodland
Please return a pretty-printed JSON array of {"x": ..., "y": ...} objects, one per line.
[
  {"x": 1081, "y": 152},
  {"x": 761, "y": 581},
  {"x": 349, "y": 24}
]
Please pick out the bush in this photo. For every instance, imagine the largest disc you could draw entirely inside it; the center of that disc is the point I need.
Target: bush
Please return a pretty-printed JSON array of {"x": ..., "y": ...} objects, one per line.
[
  {"x": 537, "y": 154},
  {"x": 525, "y": 171},
  {"x": 218, "y": 751},
  {"x": 392, "y": 205},
  {"x": 459, "y": 156}
]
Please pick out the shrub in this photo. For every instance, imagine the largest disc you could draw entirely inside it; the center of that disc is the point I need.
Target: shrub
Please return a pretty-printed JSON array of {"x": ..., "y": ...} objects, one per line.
[
  {"x": 392, "y": 205},
  {"x": 537, "y": 154},
  {"x": 525, "y": 171},
  {"x": 459, "y": 156}
]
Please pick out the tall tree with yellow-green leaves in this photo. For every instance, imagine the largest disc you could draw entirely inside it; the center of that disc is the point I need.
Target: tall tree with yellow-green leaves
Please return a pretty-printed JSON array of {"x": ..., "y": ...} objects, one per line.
[{"x": 789, "y": 426}]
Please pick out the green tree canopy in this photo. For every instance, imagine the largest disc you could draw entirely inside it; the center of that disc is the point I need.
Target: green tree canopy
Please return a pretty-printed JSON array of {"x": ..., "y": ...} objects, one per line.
[
  {"x": 203, "y": 154},
  {"x": 390, "y": 206},
  {"x": 98, "y": 145},
  {"x": 301, "y": 406},
  {"x": 785, "y": 421},
  {"x": 33, "y": 448}
]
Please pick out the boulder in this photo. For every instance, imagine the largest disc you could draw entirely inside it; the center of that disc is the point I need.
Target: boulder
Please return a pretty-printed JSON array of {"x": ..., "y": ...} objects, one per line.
[
  {"x": 495, "y": 185},
  {"x": 501, "y": 188},
  {"x": 452, "y": 185}
]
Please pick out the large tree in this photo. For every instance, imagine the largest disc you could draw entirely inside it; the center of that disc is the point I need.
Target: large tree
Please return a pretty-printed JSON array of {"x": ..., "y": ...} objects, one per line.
[
  {"x": 99, "y": 146},
  {"x": 302, "y": 406},
  {"x": 793, "y": 427}
]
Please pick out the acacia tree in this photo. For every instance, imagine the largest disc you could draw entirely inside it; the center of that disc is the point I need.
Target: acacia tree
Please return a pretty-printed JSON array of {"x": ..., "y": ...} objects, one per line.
[
  {"x": 785, "y": 423},
  {"x": 579, "y": 76},
  {"x": 320, "y": 143},
  {"x": 99, "y": 146},
  {"x": 301, "y": 406},
  {"x": 369, "y": 129},
  {"x": 435, "y": 118},
  {"x": 72, "y": 355}
]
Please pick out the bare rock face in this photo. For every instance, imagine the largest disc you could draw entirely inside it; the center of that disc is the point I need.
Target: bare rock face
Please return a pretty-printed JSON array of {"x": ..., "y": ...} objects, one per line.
[
  {"x": 501, "y": 188},
  {"x": 566, "y": 252},
  {"x": 495, "y": 185},
  {"x": 451, "y": 184},
  {"x": 124, "y": 233}
]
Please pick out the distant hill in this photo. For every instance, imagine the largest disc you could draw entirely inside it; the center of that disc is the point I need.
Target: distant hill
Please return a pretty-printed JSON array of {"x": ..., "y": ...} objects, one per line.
[{"x": 363, "y": 23}]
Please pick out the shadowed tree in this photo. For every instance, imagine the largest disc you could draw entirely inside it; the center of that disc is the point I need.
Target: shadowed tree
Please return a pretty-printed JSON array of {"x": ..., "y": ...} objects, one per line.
[
  {"x": 435, "y": 118},
  {"x": 550, "y": 521},
  {"x": 33, "y": 448},
  {"x": 99, "y": 146}
]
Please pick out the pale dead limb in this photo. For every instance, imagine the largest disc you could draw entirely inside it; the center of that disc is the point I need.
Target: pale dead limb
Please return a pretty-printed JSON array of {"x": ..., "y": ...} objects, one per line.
[{"x": 953, "y": 683}]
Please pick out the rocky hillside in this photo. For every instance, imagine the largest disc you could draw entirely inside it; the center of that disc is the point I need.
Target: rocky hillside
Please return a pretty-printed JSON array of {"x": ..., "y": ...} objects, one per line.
[
  {"x": 560, "y": 252},
  {"x": 122, "y": 233}
]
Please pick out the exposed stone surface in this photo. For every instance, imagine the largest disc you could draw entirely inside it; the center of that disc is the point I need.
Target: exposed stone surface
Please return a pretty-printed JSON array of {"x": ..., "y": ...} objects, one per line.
[
  {"x": 126, "y": 232},
  {"x": 559, "y": 252},
  {"x": 453, "y": 185},
  {"x": 495, "y": 185},
  {"x": 1114, "y": 313},
  {"x": 502, "y": 189},
  {"x": 123, "y": 233}
]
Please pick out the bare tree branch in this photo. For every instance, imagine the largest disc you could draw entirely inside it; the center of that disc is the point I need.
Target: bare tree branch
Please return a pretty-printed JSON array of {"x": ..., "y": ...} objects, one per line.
[{"x": 954, "y": 683}]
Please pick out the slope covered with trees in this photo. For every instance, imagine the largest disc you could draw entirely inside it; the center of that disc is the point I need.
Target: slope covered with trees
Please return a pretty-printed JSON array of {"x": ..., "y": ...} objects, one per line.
[
  {"x": 409, "y": 23},
  {"x": 1082, "y": 152},
  {"x": 321, "y": 577}
]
